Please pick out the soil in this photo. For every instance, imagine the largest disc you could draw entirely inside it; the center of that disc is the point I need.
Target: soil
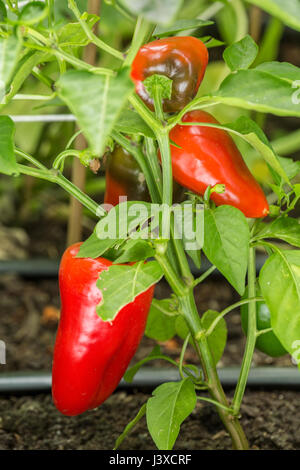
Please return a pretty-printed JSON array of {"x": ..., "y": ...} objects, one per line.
[{"x": 271, "y": 421}]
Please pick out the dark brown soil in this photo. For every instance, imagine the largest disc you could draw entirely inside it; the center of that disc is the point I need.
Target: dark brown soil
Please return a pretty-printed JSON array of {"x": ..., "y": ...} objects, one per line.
[{"x": 271, "y": 421}]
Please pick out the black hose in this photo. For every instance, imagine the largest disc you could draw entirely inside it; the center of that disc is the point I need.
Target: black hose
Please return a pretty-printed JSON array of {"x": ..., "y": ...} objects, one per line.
[
  {"x": 46, "y": 268},
  {"x": 20, "y": 383},
  {"x": 31, "y": 268}
]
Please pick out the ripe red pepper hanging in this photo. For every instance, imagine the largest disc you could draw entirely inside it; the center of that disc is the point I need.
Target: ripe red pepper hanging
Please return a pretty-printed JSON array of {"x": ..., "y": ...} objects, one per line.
[
  {"x": 208, "y": 156},
  {"x": 91, "y": 355},
  {"x": 183, "y": 59}
]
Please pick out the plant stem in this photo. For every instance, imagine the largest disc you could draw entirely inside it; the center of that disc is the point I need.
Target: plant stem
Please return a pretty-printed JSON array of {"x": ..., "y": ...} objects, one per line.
[
  {"x": 158, "y": 104},
  {"x": 215, "y": 389},
  {"x": 216, "y": 403},
  {"x": 11, "y": 7},
  {"x": 42, "y": 77},
  {"x": 91, "y": 36},
  {"x": 251, "y": 335},
  {"x": 60, "y": 54},
  {"x": 145, "y": 113},
  {"x": 183, "y": 350},
  {"x": 229, "y": 309},
  {"x": 142, "y": 32},
  {"x": 80, "y": 195},
  {"x": 190, "y": 313},
  {"x": 181, "y": 256},
  {"x": 140, "y": 158},
  {"x": 151, "y": 153},
  {"x": 176, "y": 284},
  {"x": 20, "y": 96},
  {"x": 263, "y": 332},
  {"x": 30, "y": 159},
  {"x": 204, "y": 275},
  {"x": 58, "y": 178},
  {"x": 59, "y": 161},
  {"x": 166, "y": 162}
]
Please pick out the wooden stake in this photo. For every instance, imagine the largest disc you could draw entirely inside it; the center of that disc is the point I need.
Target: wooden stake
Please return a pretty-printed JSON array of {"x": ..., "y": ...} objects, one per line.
[
  {"x": 78, "y": 170},
  {"x": 256, "y": 17}
]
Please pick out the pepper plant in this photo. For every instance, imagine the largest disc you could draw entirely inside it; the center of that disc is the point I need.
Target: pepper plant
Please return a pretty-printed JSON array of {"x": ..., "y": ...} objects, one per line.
[{"x": 138, "y": 104}]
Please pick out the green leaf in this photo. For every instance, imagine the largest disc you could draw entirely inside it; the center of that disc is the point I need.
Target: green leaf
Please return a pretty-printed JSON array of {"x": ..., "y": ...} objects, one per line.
[
  {"x": 286, "y": 11},
  {"x": 241, "y": 54},
  {"x": 226, "y": 242},
  {"x": 96, "y": 101},
  {"x": 217, "y": 339},
  {"x": 155, "y": 354},
  {"x": 9, "y": 53},
  {"x": 161, "y": 321},
  {"x": 130, "y": 425},
  {"x": 72, "y": 34},
  {"x": 121, "y": 284},
  {"x": 260, "y": 91},
  {"x": 8, "y": 164},
  {"x": 22, "y": 70},
  {"x": 284, "y": 228},
  {"x": 192, "y": 222},
  {"x": 155, "y": 11},
  {"x": 124, "y": 219},
  {"x": 94, "y": 247},
  {"x": 290, "y": 166},
  {"x": 283, "y": 70},
  {"x": 178, "y": 26},
  {"x": 171, "y": 404},
  {"x": 33, "y": 12},
  {"x": 53, "y": 102},
  {"x": 130, "y": 122},
  {"x": 209, "y": 42},
  {"x": 3, "y": 12},
  {"x": 254, "y": 135},
  {"x": 280, "y": 285},
  {"x": 182, "y": 329},
  {"x": 135, "y": 250}
]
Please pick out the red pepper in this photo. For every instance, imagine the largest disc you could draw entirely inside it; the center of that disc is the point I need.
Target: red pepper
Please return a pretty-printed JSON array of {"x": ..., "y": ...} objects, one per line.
[
  {"x": 183, "y": 59},
  {"x": 209, "y": 156},
  {"x": 91, "y": 355},
  {"x": 113, "y": 190}
]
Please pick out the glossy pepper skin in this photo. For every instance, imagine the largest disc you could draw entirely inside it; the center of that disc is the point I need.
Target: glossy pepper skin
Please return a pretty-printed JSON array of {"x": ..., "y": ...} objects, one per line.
[
  {"x": 183, "y": 59},
  {"x": 267, "y": 343},
  {"x": 91, "y": 355},
  {"x": 209, "y": 156},
  {"x": 123, "y": 177}
]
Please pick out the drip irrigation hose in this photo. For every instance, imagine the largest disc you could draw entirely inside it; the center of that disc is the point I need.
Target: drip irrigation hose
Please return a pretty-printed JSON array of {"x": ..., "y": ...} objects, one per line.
[
  {"x": 47, "y": 268},
  {"x": 147, "y": 378},
  {"x": 31, "y": 268}
]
